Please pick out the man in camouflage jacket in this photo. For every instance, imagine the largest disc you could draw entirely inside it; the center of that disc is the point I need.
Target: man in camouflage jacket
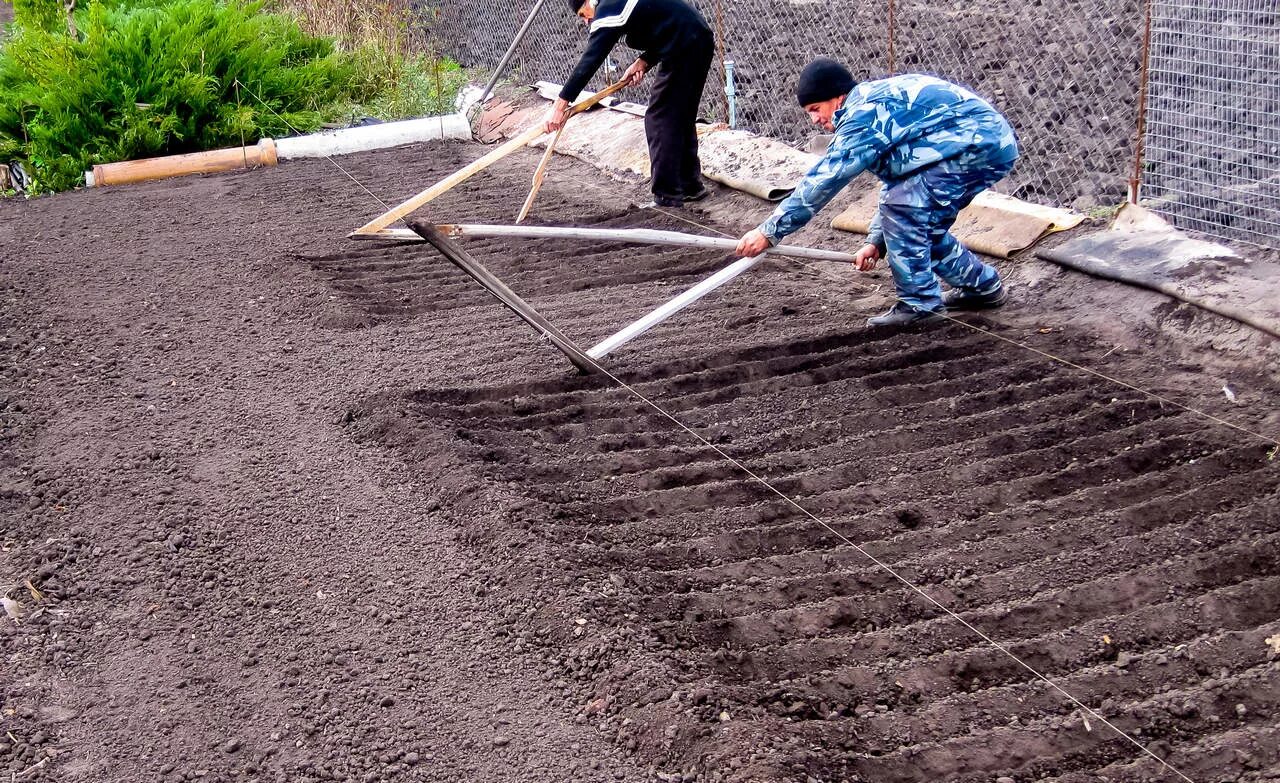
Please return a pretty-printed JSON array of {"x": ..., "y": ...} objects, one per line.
[{"x": 935, "y": 146}]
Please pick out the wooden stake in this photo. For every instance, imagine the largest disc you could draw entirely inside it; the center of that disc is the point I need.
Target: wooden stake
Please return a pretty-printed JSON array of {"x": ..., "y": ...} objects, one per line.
[
  {"x": 541, "y": 173},
  {"x": 538, "y": 177},
  {"x": 450, "y": 182},
  {"x": 457, "y": 178},
  {"x": 464, "y": 261}
]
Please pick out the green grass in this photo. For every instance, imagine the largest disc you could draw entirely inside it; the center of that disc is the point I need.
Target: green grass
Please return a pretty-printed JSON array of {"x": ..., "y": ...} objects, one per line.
[
  {"x": 400, "y": 75},
  {"x": 412, "y": 87}
]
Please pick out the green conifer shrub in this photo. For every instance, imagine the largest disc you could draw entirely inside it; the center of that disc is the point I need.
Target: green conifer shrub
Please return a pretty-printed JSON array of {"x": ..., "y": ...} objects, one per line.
[{"x": 154, "y": 80}]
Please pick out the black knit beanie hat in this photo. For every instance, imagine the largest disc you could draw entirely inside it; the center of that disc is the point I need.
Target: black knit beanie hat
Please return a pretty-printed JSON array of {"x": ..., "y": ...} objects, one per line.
[
  {"x": 574, "y": 5},
  {"x": 822, "y": 80}
]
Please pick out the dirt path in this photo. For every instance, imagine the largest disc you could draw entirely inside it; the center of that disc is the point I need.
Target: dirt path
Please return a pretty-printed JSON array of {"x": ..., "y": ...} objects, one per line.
[
  {"x": 301, "y": 509},
  {"x": 241, "y": 590}
]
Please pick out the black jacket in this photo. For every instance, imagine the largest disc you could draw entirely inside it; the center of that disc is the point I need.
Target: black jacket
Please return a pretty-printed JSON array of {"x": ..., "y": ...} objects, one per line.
[{"x": 660, "y": 29}]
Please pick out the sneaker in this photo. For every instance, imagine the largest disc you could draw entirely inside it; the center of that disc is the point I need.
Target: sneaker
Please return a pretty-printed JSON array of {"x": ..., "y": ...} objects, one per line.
[
  {"x": 903, "y": 314},
  {"x": 961, "y": 299}
]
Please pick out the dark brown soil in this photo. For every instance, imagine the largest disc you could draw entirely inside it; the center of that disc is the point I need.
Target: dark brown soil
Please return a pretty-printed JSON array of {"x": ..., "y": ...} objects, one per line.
[{"x": 301, "y": 509}]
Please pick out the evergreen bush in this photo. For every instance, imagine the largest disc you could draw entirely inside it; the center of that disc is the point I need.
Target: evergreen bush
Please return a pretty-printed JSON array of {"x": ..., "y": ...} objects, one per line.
[
  {"x": 155, "y": 78},
  {"x": 39, "y": 14}
]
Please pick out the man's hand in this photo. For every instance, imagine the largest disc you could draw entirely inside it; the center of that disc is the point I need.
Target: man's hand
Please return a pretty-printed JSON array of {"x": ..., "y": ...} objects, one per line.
[
  {"x": 557, "y": 116},
  {"x": 752, "y": 244},
  {"x": 865, "y": 259},
  {"x": 635, "y": 74}
]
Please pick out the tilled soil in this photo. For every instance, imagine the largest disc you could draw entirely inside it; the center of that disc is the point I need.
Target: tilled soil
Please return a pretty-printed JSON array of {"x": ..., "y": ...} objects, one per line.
[{"x": 297, "y": 508}]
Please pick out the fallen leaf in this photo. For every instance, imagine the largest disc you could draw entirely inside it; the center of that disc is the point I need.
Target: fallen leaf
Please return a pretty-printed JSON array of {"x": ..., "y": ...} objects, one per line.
[{"x": 1231, "y": 395}]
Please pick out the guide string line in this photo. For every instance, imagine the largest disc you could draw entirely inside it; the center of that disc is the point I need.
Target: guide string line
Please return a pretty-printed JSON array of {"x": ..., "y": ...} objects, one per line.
[
  {"x": 826, "y": 274},
  {"x": 882, "y": 565},
  {"x": 291, "y": 127},
  {"x": 888, "y": 569}
]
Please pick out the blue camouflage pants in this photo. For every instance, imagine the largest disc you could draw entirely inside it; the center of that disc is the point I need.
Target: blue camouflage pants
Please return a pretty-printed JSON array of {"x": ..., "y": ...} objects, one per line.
[{"x": 916, "y": 215}]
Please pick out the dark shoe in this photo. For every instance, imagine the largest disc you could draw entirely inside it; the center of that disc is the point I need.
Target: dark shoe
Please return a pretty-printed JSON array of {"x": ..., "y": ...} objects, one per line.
[
  {"x": 903, "y": 314},
  {"x": 671, "y": 202},
  {"x": 698, "y": 195},
  {"x": 961, "y": 299}
]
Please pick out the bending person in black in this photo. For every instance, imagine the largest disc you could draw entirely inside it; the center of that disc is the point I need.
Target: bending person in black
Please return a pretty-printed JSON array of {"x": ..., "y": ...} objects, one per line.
[{"x": 670, "y": 33}]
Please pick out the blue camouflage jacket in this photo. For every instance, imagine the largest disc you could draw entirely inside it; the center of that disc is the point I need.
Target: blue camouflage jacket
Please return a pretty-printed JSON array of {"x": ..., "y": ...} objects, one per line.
[{"x": 894, "y": 127}]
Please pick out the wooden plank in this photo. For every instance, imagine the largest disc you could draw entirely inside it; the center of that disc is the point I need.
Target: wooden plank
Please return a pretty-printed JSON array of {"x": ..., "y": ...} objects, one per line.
[
  {"x": 464, "y": 261},
  {"x": 450, "y": 182},
  {"x": 539, "y": 176},
  {"x": 467, "y": 172}
]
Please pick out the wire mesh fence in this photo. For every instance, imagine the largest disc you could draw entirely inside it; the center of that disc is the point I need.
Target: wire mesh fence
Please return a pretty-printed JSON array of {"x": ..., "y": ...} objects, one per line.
[
  {"x": 1066, "y": 73},
  {"x": 1212, "y": 141}
]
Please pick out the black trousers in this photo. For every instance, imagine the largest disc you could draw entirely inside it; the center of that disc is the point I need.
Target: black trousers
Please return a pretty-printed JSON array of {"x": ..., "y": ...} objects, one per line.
[{"x": 669, "y": 122}]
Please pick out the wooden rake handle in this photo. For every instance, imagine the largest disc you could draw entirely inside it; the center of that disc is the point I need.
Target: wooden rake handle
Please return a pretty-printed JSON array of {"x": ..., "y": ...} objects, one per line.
[
  {"x": 541, "y": 173},
  {"x": 380, "y": 223}
]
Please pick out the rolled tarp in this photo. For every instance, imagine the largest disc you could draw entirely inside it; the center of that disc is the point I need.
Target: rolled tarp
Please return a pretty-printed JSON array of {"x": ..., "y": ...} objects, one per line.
[
  {"x": 375, "y": 137},
  {"x": 261, "y": 154},
  {"x": 267, "y": 151}
]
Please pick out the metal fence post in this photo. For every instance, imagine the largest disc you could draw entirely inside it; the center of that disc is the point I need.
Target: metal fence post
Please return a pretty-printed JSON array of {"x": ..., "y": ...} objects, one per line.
[
  {"x": 511, "y": 50},
  {"x": 1135, "y": 182},
  {"x": 720, "y": 47},
  {"x": 893, "y": 64},
  {"x": 1210, "y": 138}
]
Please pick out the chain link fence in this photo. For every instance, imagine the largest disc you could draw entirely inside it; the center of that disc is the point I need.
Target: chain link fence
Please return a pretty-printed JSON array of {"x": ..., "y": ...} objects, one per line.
[
  {"x": 1066, "y": 73},
  {"x": 1212, "y": 149}
]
